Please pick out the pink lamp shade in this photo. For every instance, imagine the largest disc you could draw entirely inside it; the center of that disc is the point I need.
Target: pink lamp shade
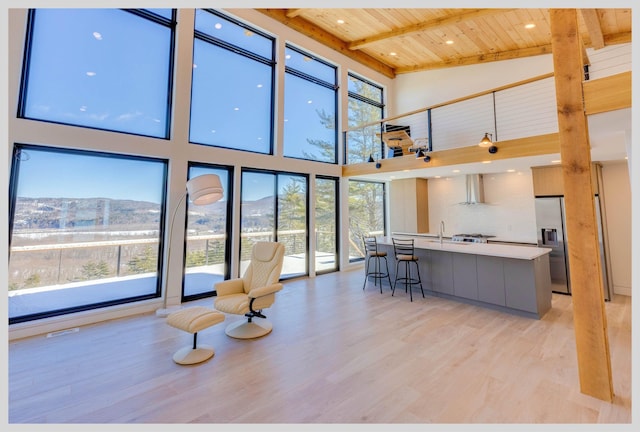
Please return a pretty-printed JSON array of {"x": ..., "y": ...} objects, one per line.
[{"x": 205, "y": 189}]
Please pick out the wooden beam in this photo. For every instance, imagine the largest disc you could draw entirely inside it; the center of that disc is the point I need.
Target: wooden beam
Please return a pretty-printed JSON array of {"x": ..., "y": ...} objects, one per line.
[
  {"x": 585, "y": 56},
  {"x": 292, "y": 13},
  {"x": 617, "y": 38},
  {"x": 592, "y": 21},
  {"x": 482, "y": 58},
  {"x": 306, "y": 28},
  {"x": 427, "y": 26},
  {"x": 589, "y": 317},
  {"x": 607, "y": 94},
  {"x": 522, "y": 147},
  {"x": 612, "y": 39}
]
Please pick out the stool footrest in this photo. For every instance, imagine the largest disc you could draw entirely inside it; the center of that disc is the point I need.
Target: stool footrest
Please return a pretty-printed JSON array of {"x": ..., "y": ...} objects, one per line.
[
  {"x": 195, "y": 318},
  {"x": 192, "y": 320}
]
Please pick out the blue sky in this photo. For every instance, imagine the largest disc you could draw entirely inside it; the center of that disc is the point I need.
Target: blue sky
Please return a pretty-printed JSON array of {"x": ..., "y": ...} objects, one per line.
[
  {"x": 86, "y": 71},
  {"x": 46, "y": 174}
]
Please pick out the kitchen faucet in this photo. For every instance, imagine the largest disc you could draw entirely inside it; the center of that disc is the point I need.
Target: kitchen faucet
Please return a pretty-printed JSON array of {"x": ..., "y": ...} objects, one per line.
[{"x": 441, "y": 230}]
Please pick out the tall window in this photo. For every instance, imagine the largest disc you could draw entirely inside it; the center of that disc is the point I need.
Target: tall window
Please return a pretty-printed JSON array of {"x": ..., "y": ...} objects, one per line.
[
  {"x": 83, "y": 68},
  {"x": 365, "y": 106},
  {"x": 208, "y": 242},
  {"x": 366, "y": 214},
  {"x": 232, "y": 85},
  {"x": 326, "y": 223},
  {"x": 310, "y": 106},
  {"x": 275, "y": 208},
  {"x": 84, "y": 230}
]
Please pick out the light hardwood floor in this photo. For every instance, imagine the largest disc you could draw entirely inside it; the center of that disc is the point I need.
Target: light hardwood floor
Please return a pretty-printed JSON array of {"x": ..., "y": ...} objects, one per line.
[{"x": 337, "y": 354}]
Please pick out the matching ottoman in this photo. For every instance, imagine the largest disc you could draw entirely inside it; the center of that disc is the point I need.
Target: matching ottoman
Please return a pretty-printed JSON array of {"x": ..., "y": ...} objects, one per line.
[{"x": 192, "y": 320}]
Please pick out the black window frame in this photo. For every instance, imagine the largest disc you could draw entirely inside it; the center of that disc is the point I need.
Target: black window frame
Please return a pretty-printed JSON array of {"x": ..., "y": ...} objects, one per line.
[
  {"x": 335, "y": 87},
  {"x": 384, "y": 211},
  {"x": 275, "y": 173},
  {"x": 366, "y": 100},
  {"x": 13, "y": 185},
  {"x": 220, "y": 43},
  {"x": 336, "y": 181},
  {"x": 228, "y": 225},
  {"x": 22, "y": 97}
]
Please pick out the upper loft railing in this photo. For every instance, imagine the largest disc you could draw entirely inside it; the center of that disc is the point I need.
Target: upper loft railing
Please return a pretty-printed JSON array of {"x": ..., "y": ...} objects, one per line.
[
  {"x": 514, "y": 111},
  {"x": 519, "y": 110}
]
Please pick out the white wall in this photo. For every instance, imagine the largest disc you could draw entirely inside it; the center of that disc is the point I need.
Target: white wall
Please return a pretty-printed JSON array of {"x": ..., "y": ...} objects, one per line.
[
  {"x": 421, "y": 89},
  {"x": 508, "y": 212},
  {"x": 617, "y": 194}
]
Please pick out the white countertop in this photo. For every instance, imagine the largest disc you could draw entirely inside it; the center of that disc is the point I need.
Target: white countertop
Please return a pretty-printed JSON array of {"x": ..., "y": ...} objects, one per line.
[{"x": 498, "y": 250}]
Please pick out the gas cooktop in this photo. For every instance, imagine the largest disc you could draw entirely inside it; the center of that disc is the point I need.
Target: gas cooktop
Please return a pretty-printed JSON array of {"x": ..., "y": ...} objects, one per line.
[{"x": 473, "y": 238}]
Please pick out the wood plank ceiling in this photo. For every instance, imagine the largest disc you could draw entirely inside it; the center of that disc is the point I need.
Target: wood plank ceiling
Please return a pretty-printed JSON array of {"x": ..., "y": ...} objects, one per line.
[{"x": 397, "y": 41}]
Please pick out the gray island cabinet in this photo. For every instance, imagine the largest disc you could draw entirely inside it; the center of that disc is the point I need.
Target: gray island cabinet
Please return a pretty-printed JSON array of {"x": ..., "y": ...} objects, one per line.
[{"x": 508, "y": 278}]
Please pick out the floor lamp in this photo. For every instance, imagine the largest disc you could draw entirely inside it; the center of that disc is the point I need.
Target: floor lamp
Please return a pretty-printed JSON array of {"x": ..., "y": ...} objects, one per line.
[{"x": 202, "y": 190}]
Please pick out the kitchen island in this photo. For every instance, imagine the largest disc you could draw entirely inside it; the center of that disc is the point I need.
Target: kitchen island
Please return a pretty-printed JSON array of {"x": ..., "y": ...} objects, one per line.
[{"x": 509, "y": 278}]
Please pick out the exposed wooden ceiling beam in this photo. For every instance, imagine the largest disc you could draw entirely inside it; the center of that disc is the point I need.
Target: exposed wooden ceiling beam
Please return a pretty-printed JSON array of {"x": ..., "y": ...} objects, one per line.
[
  {"x": 294, "y": 19},
  {"x": 592, "y": 21},
  {"x": 306, "y": 28},
  {"x": 427, "y": 25},
  {"x": 617, "y": 38},
  {"x": 483, "y": 58},
  {"x": 292, "y": 13}
]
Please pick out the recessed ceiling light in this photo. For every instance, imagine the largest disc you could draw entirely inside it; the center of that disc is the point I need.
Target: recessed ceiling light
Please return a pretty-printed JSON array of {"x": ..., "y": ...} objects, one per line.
[
  {"x": 392, "y": 54},
  {"x": 529, "y": 26},
  {"x": 456, "y": 170},
  {"x": 449, "y": 42},
  {"x": 340, "y": 21},
  {"x": 486, "y": 162},
  {"x": 438, "y": 176},
  {"x": 556, "y": 161},
  {"x": 511, "y": 170}
]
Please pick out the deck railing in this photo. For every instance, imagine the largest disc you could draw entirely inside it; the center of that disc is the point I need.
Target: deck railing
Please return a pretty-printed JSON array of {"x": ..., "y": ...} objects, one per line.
[{"x": 35, "y": 266}]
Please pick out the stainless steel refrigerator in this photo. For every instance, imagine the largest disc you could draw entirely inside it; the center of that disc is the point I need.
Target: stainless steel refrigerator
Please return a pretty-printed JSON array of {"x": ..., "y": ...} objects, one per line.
[{"x": 550, "y": 220}]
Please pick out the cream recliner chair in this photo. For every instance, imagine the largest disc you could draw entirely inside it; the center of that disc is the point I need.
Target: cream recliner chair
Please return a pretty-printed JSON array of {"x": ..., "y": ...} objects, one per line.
[{"x": 254, "y": 291}]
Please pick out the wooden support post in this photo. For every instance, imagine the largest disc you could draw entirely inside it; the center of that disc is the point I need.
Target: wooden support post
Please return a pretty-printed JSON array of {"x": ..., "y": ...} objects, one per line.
[{"x": 589, "y": 318}]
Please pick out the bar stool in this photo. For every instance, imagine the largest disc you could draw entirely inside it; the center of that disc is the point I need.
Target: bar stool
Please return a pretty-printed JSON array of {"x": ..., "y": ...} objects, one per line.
[
  {"x": 404, "y": 251},
  {"x": 372, "y": 252}
]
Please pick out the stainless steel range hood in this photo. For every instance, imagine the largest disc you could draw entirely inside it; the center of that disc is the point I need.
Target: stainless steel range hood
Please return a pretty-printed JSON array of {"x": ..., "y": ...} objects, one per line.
[{"x": 474, "y": 189}]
